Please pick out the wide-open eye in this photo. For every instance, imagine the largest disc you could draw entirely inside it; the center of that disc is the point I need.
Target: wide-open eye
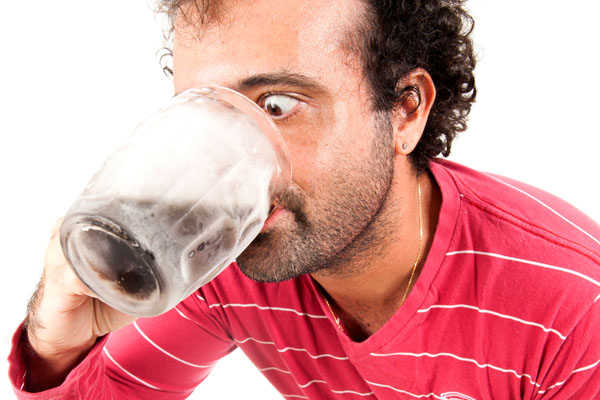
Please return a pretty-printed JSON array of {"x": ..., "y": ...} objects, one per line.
[{"x": 279, "y": 105}]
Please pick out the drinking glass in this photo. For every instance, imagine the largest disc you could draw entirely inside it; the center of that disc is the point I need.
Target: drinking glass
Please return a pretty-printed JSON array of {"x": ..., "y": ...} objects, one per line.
[{"x": 170, "y": 209}]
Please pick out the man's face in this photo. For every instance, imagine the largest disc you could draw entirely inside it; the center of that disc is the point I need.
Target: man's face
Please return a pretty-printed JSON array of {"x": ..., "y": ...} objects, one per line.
[{"x": 288, "y": 57}]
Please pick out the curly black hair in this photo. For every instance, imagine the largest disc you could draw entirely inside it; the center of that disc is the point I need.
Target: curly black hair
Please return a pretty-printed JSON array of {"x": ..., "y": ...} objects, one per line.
[
  {"x": 402, "y": 35},
  {"x": 395, "y": 38}
]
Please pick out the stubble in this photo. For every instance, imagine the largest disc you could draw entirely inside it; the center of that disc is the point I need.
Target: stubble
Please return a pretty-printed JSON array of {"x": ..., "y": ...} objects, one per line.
[{"x": 343, "y": 232}]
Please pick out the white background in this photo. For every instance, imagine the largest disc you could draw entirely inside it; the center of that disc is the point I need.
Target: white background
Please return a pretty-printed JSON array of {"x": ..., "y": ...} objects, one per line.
[{"x": 77, "y": 76}]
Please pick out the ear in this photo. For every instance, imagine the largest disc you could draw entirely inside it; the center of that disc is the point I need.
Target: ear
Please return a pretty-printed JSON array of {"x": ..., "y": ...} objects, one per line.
[{"x": 409, "y": 116}]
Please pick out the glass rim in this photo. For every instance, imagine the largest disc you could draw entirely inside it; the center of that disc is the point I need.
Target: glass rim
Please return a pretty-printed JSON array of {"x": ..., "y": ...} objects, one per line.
[{"x": 250, "y": 108}]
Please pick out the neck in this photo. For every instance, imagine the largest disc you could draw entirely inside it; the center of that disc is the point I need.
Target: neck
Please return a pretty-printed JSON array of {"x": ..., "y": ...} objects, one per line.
[{"x": 366, "y": 297}]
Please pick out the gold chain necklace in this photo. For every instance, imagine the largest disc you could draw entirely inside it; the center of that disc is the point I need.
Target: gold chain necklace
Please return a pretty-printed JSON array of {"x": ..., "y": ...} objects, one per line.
[{"x": 414, "y": 268}]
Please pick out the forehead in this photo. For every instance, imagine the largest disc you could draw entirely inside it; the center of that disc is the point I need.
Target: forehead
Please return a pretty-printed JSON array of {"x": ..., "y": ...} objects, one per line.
[{"x": 262, "y": 36}]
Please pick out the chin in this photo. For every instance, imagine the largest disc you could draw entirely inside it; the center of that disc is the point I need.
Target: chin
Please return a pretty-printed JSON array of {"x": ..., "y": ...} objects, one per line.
[
  {"x": 255, "y": 261},
  {"x": 266, "y": 260}
]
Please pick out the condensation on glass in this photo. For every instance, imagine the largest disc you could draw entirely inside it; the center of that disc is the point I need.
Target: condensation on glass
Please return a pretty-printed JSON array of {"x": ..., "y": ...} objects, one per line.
[{"x": 169, "y": 210}]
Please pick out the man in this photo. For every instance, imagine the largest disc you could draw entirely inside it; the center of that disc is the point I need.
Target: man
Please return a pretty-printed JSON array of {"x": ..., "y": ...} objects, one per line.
[{"x": 385, "y": 273}]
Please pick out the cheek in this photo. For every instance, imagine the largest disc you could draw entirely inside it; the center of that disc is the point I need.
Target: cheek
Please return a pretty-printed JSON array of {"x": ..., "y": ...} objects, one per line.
[
  {"x": 328, "y": 144},
  {"x": 347, "y": 135}
]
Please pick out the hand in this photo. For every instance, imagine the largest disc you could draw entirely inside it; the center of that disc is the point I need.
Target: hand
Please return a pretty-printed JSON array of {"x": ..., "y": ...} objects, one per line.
[{"x": 64, "y": 320}]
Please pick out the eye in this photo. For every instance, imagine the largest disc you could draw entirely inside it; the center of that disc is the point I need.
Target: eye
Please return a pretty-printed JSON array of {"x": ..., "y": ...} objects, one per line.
[{"x": 279, "y": 105}]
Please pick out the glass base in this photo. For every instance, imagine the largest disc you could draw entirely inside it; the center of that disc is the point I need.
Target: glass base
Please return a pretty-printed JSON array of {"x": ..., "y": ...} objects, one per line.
[{"x": 111, "y": 263}]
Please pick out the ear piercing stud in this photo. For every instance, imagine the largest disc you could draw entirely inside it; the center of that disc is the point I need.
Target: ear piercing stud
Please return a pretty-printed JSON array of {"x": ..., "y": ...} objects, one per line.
[{"x": 404, "y": 146}]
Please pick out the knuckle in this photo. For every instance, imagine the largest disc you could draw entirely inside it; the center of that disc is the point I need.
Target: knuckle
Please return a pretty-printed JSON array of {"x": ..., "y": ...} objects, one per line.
[
  {"x": 54, "y": 256},
  {"x": 56, "y": 227}
]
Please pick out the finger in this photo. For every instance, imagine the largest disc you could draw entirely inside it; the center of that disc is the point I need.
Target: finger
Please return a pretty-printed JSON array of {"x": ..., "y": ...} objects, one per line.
[
  {"x": 54, "y": 256},
  {"x": 55, "y": 260},
  {"x": 56, "y": 227},
  {"x": 81, "y": 288}
]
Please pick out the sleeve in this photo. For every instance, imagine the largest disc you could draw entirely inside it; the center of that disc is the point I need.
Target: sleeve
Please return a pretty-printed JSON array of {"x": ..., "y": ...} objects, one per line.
[
  {"x": 575, "y": 371},
  {"x": 164, "y": 357}
]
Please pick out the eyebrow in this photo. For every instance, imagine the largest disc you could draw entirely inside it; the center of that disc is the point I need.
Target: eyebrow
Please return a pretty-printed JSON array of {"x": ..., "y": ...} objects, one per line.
[{"x": 280, "y": 78}]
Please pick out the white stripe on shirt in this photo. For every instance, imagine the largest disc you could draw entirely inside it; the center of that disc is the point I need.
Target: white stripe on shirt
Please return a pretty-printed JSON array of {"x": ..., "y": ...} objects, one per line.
[
  {"x": 352, "y": 392},
  {"x": 264, "y": 308},
  {"x": 546, "y": 206},
  {"x": 515, "y": 373},
  {"x": 183, "y": 315},
  {"x": 482, "y": 311},
  {"x": 269, "y": 308},
  {"x": 274, "y": 369},
  {"x": 573, "y": 372},
  {"x": 290, "y": 348},
  {"x": 311, "y": 382},
  {"x": 335, "y": 391},
  {"x": 523, "y": 261},
  {"x": 318, "y": 381},
  {"x": 419, "y": 396},
  {"x": 127, "y": 372},
  {"x": 166, "y": 352}
]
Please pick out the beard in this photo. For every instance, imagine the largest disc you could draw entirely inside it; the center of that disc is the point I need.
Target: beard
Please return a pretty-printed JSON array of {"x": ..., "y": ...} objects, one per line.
[{"x": 345, "y": 228}]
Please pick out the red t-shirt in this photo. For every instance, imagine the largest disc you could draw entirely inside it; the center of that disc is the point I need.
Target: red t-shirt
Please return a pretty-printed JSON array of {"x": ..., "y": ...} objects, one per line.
[{"x": 506, "y": 307}]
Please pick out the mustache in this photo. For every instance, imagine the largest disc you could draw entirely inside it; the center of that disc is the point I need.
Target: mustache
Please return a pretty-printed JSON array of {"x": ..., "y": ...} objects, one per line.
[{"x": 293, "y": 200}]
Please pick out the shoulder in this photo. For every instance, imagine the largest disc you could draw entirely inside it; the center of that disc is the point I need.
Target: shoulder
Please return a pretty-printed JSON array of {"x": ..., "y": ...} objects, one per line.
[
  {"x": 519, "y": 250},
  {"x": 504, "y": 205}
]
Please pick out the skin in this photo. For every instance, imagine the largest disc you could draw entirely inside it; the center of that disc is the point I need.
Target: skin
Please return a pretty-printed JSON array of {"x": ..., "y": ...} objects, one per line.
[
  {"x": 353, "y": 197},
  {"x": 351, "y": 219}
]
